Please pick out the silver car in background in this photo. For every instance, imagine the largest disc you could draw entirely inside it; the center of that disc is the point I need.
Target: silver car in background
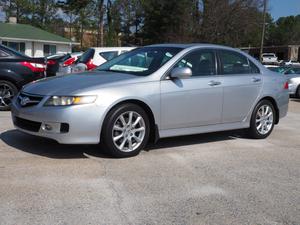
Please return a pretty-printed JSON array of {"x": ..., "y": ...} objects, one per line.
[
  {"x": 294, "y": 85},
  {"x": 293, "y": 76},
  {"x": 155, "y": 92}
]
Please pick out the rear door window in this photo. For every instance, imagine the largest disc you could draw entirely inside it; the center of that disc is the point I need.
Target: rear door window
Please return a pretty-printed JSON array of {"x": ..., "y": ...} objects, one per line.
[
  {"x": 253, "y": 68},
  {"x": 3, "y": 54},
  {"x": 233, "y": 63}
]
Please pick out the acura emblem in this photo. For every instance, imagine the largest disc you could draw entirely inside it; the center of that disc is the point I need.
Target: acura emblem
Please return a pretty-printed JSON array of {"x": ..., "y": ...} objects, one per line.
[{"x": 24, "y": 101}]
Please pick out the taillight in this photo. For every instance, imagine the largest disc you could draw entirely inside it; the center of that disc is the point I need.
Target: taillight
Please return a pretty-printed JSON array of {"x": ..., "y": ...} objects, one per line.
[
  {"x": 90, "y": 65},
  {"x": 69, "y": 62},
  {"x": 286, "y": 85},
  {"x": 51, "y": 62},
  {"x": 35, "y": 67}
]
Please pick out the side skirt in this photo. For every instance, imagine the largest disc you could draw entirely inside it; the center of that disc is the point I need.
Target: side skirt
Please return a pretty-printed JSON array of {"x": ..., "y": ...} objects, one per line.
[{"x": 203, "y": 129}]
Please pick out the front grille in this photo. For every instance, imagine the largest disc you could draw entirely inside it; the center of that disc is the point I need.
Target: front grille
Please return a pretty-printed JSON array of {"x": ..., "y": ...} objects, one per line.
[
  {"x": 26, "y": 100},
  {"x": 27, "y": 124}
]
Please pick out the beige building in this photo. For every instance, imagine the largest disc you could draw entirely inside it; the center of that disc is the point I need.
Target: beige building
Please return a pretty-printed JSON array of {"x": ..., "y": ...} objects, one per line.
[
  {"x": 285, "y": 52},
  {"x": 33, "y": 41}
]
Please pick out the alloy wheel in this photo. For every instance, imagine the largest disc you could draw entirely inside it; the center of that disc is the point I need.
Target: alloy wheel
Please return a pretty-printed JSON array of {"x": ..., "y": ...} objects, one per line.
[
  {"x": 264, "y": 119},
  {"x": 128, "y": 131},
  {"x": 6, "y": 95}
]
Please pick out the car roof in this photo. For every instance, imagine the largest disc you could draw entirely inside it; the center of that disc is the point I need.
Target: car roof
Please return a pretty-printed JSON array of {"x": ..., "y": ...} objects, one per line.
[
  {"x": 189, "y": 45},
  {"x": 197, "y": 45}
]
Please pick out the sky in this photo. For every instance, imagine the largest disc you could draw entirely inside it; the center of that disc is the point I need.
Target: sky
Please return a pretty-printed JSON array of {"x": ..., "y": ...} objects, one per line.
[{"x": 279, "y": 8}]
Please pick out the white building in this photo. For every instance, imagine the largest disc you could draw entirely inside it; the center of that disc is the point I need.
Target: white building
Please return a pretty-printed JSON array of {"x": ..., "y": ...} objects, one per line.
[{"x": 33, "y": 41}]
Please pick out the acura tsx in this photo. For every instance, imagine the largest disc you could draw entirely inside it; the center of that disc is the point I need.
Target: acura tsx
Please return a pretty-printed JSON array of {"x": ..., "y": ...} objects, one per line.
[{"x": 154, "y": 92}]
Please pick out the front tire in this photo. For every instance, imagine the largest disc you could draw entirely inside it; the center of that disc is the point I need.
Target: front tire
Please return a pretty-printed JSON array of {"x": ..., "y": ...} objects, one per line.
[
  {"x": 7, "y": 91},
  {"x": 262, "y": 120},
  {"x": 125, "y": 130}
]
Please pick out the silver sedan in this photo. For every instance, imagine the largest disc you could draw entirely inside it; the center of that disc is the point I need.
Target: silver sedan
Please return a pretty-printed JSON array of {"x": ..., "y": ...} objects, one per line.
[{"x": 155, "y": 92}]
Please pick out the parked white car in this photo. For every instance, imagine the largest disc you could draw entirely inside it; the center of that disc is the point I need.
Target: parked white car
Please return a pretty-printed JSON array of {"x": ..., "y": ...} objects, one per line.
[
  {"x": 65, "y": 64},
  {"x": 94, "y": 57},
  {"x": 269, "y": 58}
]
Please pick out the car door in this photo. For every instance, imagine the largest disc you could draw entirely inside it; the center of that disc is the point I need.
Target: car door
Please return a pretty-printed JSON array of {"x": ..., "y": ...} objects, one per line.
[
  {"x": 194, "y": 101},
  {"x": 242, "y": 84}
]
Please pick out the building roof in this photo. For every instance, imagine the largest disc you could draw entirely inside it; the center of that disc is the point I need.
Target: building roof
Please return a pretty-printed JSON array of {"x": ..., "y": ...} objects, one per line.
[{"x": 24, "y": 32}]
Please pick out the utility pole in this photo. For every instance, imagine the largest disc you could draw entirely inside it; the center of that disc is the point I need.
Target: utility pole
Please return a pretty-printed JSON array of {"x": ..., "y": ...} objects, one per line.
[{"x": 263, "y": 30}]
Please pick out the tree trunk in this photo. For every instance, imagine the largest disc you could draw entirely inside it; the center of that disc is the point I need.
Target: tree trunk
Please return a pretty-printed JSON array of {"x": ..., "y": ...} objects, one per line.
[{"x": 100, "y": 36}]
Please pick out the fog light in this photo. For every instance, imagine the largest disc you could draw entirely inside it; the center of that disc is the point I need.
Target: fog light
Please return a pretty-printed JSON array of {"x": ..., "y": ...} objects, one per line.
[
  {"x": 47, "y": 127},
  {"x": 50, "y": 127}
]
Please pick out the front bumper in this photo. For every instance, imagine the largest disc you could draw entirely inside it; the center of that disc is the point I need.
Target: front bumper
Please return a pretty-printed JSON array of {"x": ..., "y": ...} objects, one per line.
[{"x": 80, "y": 124}]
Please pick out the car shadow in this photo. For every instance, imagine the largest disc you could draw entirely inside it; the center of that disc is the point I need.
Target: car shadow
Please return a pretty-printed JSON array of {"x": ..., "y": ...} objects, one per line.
[
  {"x": 47, "y": 147},
  {"x": 195, "y": 139},
  {"x": 51, "y": 149}
]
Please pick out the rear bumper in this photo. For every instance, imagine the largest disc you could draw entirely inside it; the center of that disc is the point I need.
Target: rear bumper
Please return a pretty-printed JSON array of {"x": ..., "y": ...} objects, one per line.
[{"x": 70, "y": 125}]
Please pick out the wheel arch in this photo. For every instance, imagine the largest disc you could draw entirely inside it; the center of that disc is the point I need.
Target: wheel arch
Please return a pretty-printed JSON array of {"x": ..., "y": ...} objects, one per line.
[
  {"x": 9, "y": 79},
  {"x": 154, "y": 133},
  {"x": 274, "y": 103}
]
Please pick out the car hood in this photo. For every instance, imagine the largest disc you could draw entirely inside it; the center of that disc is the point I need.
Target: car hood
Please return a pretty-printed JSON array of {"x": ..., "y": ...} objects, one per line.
[{"x": 78, "y": 83}]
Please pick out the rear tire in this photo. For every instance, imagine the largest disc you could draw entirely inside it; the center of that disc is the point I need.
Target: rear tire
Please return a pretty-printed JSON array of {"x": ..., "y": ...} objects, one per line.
[
  {"x": 7, "y": 91},
  {"x": 262, "y": 120},
  {"x": 125, "y": 131}
]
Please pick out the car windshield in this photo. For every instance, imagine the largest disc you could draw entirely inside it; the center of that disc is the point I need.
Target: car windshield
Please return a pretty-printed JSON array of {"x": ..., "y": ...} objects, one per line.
[
  {"x": 278, "y": 69},
  {"x": 140, "y": 62}
]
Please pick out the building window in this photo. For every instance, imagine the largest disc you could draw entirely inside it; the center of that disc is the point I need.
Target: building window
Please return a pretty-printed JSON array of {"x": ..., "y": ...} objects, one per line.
[
  {"x": 49, "y": 50},
  {"x": 18, "y": 46}
]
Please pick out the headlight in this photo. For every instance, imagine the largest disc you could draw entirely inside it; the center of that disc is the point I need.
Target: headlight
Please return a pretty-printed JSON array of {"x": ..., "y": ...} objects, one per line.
[{"x": 70, "y": 100}]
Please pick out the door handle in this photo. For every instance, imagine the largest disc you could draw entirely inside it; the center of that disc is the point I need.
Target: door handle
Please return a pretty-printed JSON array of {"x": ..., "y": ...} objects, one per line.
[
  {"x": 256, "y": 79},
  {"x": 214, "y": 83}
]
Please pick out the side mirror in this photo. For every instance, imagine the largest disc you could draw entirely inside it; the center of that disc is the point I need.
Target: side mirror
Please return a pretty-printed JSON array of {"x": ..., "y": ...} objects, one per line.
[{"x": 180, "y": 73}]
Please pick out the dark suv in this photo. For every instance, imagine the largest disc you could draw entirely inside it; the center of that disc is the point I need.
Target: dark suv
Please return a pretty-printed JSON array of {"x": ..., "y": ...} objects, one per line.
[{"x": 17, "y": 70}]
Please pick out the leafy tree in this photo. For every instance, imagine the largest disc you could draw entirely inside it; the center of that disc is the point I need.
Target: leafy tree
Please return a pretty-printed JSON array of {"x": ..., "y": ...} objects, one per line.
[
  {"x": 285, "y": 31},
  {"x": 166, "y": 21},
  {"x": 17, "y": 8}
]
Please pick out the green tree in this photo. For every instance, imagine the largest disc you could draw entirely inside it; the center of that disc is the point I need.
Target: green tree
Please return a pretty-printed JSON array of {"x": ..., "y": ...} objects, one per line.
[
  {"x": 285, "y": 31},
  {"x": 166, "y": 21},
  {"x": 17, "y": 8}
]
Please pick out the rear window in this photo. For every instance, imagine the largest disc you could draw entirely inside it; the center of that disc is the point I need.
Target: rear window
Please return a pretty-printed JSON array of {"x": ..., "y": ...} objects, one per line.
[
  {"x": 66, "y": 57},
  {"x": 89, "y": 54},
  {"x": 3, "y": 54},
  {"x": 14, "y": 52},
  {"x": 109, "y": 55}
]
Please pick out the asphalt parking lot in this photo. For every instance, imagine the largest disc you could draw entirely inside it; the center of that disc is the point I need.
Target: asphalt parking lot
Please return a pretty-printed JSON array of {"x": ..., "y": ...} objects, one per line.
[{"x": 219, "y": 178}]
